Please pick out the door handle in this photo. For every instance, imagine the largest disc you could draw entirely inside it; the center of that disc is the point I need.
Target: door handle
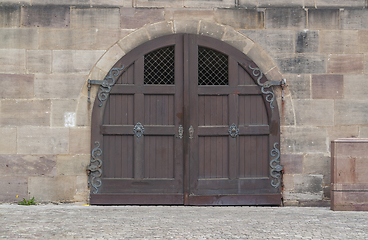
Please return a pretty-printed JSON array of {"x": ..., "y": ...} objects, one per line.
[
  {"x": 191, "y": 132},
  {"x": 180, "y": 132}
]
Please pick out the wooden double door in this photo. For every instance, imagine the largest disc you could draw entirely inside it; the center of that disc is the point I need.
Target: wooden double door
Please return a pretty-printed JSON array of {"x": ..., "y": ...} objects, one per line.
[{"x": 182, "y": 120}]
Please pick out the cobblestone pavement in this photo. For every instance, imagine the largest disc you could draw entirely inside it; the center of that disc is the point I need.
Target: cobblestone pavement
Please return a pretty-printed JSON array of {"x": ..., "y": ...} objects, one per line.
[{"x": 178, "y": 222}]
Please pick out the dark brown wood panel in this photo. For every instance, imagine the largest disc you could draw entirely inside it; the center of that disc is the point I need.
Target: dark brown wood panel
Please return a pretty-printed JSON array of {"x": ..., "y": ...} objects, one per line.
[
  {"x": 252, "y": 110},
  {"x": 213, "y": 110},
  {"x": 128, "y": 76},
  {"x": 159, "y": 109}
]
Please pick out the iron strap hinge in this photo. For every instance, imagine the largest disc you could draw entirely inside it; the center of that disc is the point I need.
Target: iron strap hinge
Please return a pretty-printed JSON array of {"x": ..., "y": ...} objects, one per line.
[
  {"x": 268, "y": 84},
  {"x": 95, "y": 82}
]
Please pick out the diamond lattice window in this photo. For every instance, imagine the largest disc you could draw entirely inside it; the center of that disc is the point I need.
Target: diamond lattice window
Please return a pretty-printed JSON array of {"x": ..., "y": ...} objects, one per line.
[
  {"x": 212, "y": 67},
  {"x": 159, "y": 66}
]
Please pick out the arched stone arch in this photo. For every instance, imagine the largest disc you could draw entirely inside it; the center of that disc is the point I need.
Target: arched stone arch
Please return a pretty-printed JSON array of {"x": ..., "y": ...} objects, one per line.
[{"x": 151, "y": 31}]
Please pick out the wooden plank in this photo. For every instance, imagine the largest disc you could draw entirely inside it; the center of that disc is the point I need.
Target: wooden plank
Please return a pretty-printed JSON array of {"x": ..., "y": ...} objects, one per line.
[
  {"x": 128, "y": 130},
  {"x": 220, "y": 200},
  {"x": 223, "y": 131},
  {"x": 224, "y": 90},
  {"x": 146, "y": 89},
  {"x": 186, "y": 106},
  {"x": 136, "y": 199}
]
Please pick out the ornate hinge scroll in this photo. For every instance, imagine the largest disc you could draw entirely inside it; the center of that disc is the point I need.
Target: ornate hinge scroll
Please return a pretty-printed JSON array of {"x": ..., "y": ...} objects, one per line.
[
  {"x": 270, "y": 97},
  {"x": 233, "y": 130},
  {"x": 94, "y": 169},
  {"x": 105, "y": 85},
  {"x": 276, "y": 168}
]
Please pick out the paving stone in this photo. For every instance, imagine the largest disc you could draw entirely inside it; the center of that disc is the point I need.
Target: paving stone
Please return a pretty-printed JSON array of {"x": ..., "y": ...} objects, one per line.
[
  {"x": 16, "y": 86},
  {"x": 293, "y": 163},
  {"x": 75, "y": 61},
  {"x": 42, "y": 140},
  {"x": 11, "y": 187},
  {"x": 10, "y": 16},
  {"x": 301, "y": 63},
  {"x": 63, "y": 112},
  {"x": 355, "y": 86},
  {"x": 72, "y": 164},
  {"x": 327, "y": 86},
  {"x": 25, "y": 113},
  {"x": 343, "y": 41},
  {"x": 303, "y": 140},
  {"x": 58, "y": 188},
  {"x": 354, "y": 18},
  {"x": 345, "y": 63},
  {"x": 240, "y": 18},
  {"x": 314, "y": 112},
  {"x": 306, "y": 41},
  {"x": 132, "y": 18},
  {"x": 318, "y": 164},
  {"x": 350, "y": 112},
  {"x": 273, "y": 41},
  {"x": 12, "y": 60},
  {"x": 299, "y": 85},
  {"x": 27, "y": 165},
  {"x": 80, "y": 140},
  {"x": 323, "y": 19},
  {"x": 8, "y": 144},
  {"x": 38, "y": 61},
  {"x": 288, "y": 18},
  {"x": 58, "y": 85},
  {"x": 46, "y": 16},
  {"x": 95, "y": 18},
  {"x": 183, "y": 13}
]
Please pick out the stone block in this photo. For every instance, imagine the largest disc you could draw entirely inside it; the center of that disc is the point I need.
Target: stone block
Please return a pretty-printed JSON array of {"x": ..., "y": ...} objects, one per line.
[
  {"x": 109, "y": 59},
  {"x": 299, "y": 85},
  {"x": 340, "y": 3},
  {"x": 63, "y": 112},
  {"x": 75, "y": 61},
  {"x": 248, "y": 3},
  {"x": 114, "y": 35},
  {"x": 288, "y": 181},
  {"x": 349, "y": 201},
  {"x": 273, "y": 41},
  {"x": 209, "y": 3},
  {"x": 240, "y": 18},
  {"x": 298, "y": 140},
  {"x": 305, "y": 187},
  {"x": 11, "y": 187},
  {"x": 261, "y": 58},
  {"x": 354, "y": 18},
  {"x": 183, "y": 13},
  {"x": 82, "y": 193},
  {"x": 72, "y": 164},
  {"x": 355, "y": 86},
  {"x": 46, "y": 16},
  {"x": 132, "y": 18},
  {"x": 16, "y": 86},
  {"x": 186, "y": 26},
  {"x": 323, "y": 19},
  {"x": 58, "y": 85},
  {"x": 58, "y": 188},
  {"x": 25, "y": 112},
  {"x": 363, "y": 132},
  {"x": 280, "y": 3},
  {"x": 62, "y": 2},
  {"x": 28, "y": 165},
  {"x": 301, "y": 63},
  {"x": 8, "y": 143},
  {"x": 335, "y": 41},
  {"x": 336, "y": 132},
  {"x": 38, "y": 61},
  {"x": 314, "y": 112},
  {"x": 12, "y": 60},
  {"x": 350, "y": 112},
  {"x": 160, "y": 29},
  {"x": 345, "y": 63},
  {"x": 43, "y": 140},
  {"x": 287, "y": 116},
  {"x": 363, "y": 43},
  {"x": 318, "y": 164},
  {"x": 158, "y": 3},
  {"x": 293, "y": 163},
  {"x": 237, "y": 40},
  {"x": 210, "y": 29},
  {"x": 84, "y": 112},
  {"x": 95, "y": 18},
  {"x": 134, "y": 39},
  {"x": 288, "y": 18},
  {"x": 80, "y": 140},
  {"x": 306, "y": 41},
  {"x": 327, "y": 86},
  {"x": 18, "y": 38},
  {"x": 64, "y": 39},
  {"x": 124, "y": 3},
  {"x": 10, "y": 16}
]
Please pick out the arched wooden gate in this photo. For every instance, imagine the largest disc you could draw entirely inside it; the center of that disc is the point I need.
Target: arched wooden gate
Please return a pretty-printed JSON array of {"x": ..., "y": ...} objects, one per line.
[{"x": 185, "y": 119}]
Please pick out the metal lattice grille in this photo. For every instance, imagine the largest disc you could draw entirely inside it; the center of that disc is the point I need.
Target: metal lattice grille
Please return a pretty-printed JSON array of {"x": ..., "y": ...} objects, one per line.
[
  {"x": 159, "y": 66},
  {"x": 212, "y": 67}
]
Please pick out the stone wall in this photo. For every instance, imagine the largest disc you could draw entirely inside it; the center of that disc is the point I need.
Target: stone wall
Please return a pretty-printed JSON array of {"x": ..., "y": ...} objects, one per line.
[{"x": 48, "y": 50}]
